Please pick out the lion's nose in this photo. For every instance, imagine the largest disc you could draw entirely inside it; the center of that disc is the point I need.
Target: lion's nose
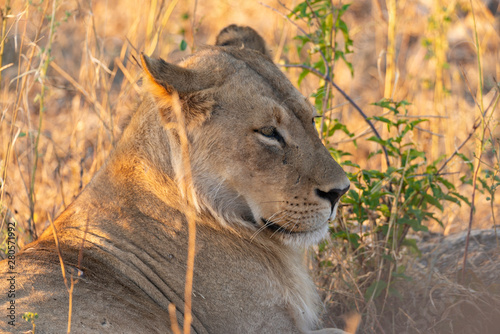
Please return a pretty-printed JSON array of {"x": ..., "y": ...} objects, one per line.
[{"x": 333, "y": 195}]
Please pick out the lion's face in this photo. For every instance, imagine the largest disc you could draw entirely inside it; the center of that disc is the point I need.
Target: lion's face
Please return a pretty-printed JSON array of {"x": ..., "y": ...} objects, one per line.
[{"x": 257, "y": 158}]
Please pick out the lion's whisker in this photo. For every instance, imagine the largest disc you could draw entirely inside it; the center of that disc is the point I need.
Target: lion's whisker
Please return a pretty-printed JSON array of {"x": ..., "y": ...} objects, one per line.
[
  {"x": 269, "y": 222},
  {"x": 265, "y": 202}
]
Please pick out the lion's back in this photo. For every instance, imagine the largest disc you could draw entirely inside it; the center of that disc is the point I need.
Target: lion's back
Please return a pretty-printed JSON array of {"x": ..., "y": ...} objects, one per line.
[{"x": 37, "y": 286}]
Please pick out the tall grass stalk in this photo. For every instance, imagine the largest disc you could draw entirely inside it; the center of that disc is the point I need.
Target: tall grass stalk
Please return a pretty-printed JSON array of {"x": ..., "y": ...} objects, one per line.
[
  {"x": 480, "y": 142},
  {"x": 4, "y": 14},
  {"x": 438, "y": 25},
  {"x": 390, "y": 68},
  {"x": 153, "y": 40},
  {"x": 188, "y": 191},
  {"x": 71, "y": 285},
  {"x": 20, "y": 90},
  {"x": 43, "y": 75}
]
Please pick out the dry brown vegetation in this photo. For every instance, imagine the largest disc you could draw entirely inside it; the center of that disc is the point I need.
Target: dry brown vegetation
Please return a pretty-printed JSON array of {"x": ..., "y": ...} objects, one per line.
[{"x": 69, "y": 78}]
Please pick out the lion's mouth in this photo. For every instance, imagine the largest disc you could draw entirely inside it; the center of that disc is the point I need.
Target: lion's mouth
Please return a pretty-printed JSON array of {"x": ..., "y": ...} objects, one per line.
[{"x": 275, "y": 228}]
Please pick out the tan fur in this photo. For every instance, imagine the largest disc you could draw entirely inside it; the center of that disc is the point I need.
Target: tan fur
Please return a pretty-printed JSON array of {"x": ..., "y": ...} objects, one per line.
[{"x": 261, "y": 196}]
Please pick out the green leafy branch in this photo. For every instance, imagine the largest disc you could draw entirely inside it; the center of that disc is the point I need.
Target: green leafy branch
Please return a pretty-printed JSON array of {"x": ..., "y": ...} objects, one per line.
[{"x": 328, "y": 23}]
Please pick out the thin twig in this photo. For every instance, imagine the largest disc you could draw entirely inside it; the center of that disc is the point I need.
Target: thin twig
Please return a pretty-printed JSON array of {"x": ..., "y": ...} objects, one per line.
[
  {"x": 340, "y": 105},
  {"x": 3, "y": 18},
  {"x": 286, "y": 17},
  {"x": 187, "y": 190},
  {"x": 421, "y": 116},
  {"x": 429, "y": 131},
  {"x": 481, "y": 141},
  {"x": 98, "y": 108},
  {"x": 476, "y": 125},
  {"x": 193, "y": 23},
  {"x": 363, "y": 133},
  {"x": 63, "y": 269},
  {"x": 327, "y": 65},
  {"x": 127, "y": 75},
  {"x": 174, "y": 325}
]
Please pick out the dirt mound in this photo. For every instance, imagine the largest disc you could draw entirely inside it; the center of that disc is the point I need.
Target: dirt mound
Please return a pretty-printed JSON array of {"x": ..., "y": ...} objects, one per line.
[
  {"x": 437, "y": 299},
  {"x": 445, "y": 254}
]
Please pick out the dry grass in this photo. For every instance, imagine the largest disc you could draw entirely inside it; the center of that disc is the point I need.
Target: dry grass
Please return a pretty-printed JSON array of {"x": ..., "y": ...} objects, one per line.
[{"x": 69, "y": 80}]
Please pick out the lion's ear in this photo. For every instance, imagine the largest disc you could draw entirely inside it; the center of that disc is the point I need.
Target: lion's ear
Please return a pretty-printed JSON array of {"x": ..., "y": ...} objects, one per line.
[
  {"x": 164, "y": 80},
  {"x": 241, "y": 37},
  {"x": 173, "y": 77}
]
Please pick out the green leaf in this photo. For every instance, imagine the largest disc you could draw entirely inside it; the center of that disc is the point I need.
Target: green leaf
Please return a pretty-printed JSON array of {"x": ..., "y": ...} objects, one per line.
[
  {"x": 403, "y": 103},
  {"x": 378, "y": 140},
  {"x": 383, "y": 119},
  {"x": 342, "y": 26},
  {"x": 385, "y": 210},
  {"x": 372, "y": 154},
  {"x": 351, "y": 237},
  {"x": 350, "y": 163},
  {"x": 467, "y": 161},
  {"x": 344, "y": 8},
  {"x": 352, "y": 197},
  {"x": 452, "y": 199},
  {"x": 460, "y": 196},
  {"x": 394, "y": 292},
  {"x": 433, "y": 201},
  {"x": 415, "y": 224},
  {"x": 375, "y": 289},
  {"x": 466, "y": 180},
  {"x": 447, "y": 184},
  {"x": 183, "y": 45},
  {"x": 302, "y": 76},
  {"x": 323, "y": 246},
  {"x": 329, "y": 22},
  {"x": 388, "y": 257},
  {"x": 411, "y": 244}
]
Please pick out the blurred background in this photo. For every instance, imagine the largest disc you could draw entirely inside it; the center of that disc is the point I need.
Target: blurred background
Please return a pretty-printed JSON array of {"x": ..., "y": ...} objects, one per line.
[{"x": 69, "y": 79}]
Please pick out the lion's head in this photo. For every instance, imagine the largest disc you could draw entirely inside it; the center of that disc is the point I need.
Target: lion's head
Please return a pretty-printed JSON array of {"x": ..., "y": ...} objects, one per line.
[
  {"x": 257, "y": 159},
  {"x": 263, "y": 183}
]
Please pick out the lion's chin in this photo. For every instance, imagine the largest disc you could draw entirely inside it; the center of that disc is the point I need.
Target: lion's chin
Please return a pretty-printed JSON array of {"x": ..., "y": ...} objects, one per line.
[
  {"x": 296, "y": 238},
  {"x": 305, "y": 239}
]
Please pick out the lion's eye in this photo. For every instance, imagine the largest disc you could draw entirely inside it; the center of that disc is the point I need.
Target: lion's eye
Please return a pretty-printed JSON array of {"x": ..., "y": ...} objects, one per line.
[{"x": 270, "y": 132}]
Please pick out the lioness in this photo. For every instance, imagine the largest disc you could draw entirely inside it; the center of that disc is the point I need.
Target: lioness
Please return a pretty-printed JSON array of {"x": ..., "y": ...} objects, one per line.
[{"x": 264, "y": 185}]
